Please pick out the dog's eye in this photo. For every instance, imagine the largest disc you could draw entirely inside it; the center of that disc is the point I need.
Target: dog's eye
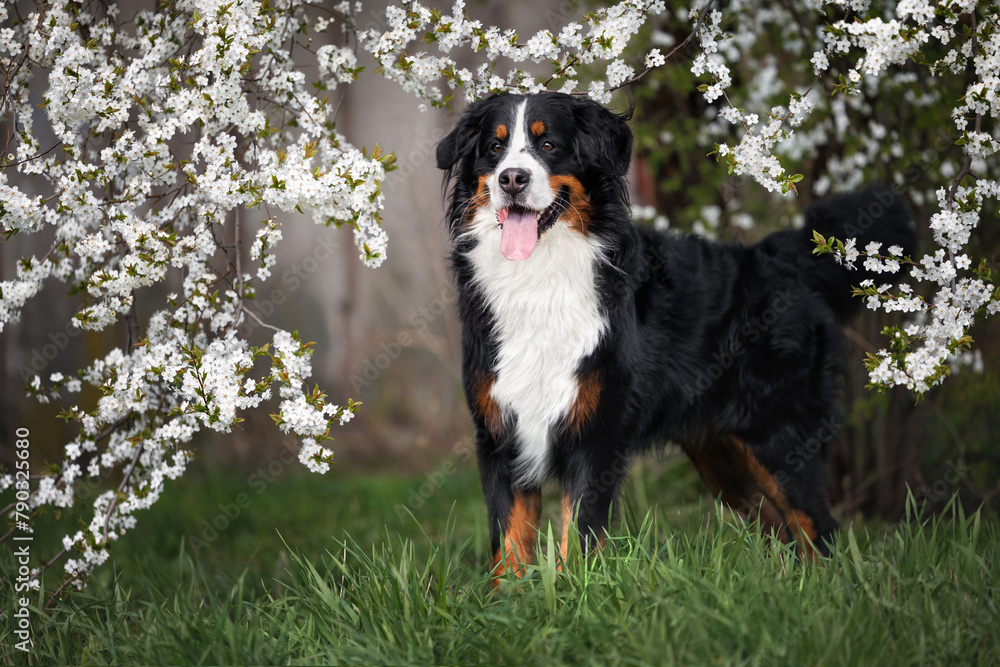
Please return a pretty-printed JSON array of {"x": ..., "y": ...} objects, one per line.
[
  {"x": 548, "y": 146},
  {"x": 495, "y": 146}
]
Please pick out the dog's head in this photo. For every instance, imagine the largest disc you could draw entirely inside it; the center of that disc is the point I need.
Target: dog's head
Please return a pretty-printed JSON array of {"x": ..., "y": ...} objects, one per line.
[{"x": 532, "y": 162}]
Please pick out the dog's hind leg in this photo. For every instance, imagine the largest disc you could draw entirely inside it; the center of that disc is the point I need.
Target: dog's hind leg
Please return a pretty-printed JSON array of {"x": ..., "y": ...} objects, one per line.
[
  {"x": 724, "y": 469},
  {"x": 803, "y": 487},
  {"x": 800, "y": 484},
  {"x": 791, "y": 506}
]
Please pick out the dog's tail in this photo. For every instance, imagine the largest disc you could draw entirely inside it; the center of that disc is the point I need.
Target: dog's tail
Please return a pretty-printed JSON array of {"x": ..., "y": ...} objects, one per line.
[{"x": 877, "y": 214}]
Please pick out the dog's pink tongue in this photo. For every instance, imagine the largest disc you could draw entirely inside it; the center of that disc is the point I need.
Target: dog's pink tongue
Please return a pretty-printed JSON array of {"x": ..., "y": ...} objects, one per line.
[{"x": 519, "y": 234}]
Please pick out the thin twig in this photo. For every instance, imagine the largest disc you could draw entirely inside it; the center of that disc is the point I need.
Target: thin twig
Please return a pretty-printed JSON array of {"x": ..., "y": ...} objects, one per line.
[
  {"x": 132, "y": 323},
  {"x": 967, "y": 166},
  {"x": 33, "y": 157},
  {"x": 126, "y": 478},
  {"x": 261, "y": 322},
  {"x": 55, "y": 595},
  {"x": 111, "y": 429},
  {"x": 31, "y": 516},
  {"x": 702, "y": 13}
]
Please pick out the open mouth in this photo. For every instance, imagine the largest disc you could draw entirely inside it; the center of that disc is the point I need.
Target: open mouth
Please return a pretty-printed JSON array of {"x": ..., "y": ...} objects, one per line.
[{"x": 520, "y": 228}]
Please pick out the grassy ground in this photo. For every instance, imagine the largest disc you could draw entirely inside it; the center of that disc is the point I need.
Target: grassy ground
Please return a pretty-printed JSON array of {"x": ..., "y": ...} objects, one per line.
[{"x": 311, "y": 570}]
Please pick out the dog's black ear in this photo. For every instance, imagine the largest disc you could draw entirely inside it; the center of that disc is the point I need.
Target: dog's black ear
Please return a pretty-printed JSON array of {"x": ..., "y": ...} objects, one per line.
[
  {"x": 604, "y": 137},
  {"x": 456, "y": 145},
  {"x": 462, "y": 140}
]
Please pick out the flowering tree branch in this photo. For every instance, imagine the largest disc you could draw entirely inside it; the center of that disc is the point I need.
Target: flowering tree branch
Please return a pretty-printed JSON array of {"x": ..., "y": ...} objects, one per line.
[
  {"x": 654, "y": 59},
  {"x": 920, "y": 351},
  {"x": 165, "y": 134},
  {"x": 172, "y": 127}
]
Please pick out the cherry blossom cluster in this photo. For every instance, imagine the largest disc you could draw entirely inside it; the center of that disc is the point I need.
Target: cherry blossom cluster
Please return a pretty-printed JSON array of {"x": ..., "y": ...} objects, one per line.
[
  {"x": 602, "y": 37},
  {"x": 922, "y": 352},
  {"x": 857, "y": 50},
  {"x": 163, "y": 137}
]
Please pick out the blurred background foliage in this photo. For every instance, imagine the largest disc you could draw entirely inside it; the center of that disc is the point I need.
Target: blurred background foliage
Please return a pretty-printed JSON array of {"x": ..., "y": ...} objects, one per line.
[{"x": 390, "y": 337}]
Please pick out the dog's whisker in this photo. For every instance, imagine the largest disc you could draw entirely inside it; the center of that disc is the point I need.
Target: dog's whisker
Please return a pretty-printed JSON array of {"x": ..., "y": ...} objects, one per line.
[{"x": 473, "y": 202}]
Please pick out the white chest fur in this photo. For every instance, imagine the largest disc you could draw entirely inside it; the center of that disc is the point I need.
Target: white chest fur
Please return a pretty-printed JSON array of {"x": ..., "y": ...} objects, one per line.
[{"x": 548, "y": 319}]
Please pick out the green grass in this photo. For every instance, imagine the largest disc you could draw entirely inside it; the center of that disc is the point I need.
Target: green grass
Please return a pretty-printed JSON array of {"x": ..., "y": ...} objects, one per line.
[{"x": 325, "y": 571}]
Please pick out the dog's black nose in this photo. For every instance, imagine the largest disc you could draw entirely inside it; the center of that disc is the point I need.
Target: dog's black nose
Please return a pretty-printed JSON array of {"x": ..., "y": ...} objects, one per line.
[{"x": 513, "y": 181}]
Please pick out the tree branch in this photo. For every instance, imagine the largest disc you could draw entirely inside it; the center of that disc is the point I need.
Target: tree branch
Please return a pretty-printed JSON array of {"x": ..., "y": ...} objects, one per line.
[{"x": 702, "y": 13}]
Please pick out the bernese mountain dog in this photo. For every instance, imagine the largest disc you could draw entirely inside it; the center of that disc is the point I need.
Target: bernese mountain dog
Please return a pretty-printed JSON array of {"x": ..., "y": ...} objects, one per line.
[{"x": 587, "y": 339}]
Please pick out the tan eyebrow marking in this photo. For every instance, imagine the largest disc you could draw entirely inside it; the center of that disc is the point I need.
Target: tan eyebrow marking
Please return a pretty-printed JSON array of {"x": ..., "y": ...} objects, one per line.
[
  {"x": 538, "y": 128},
  {"x": 501, "y": 132}
]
